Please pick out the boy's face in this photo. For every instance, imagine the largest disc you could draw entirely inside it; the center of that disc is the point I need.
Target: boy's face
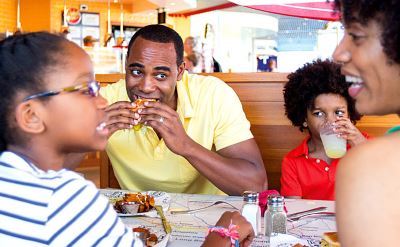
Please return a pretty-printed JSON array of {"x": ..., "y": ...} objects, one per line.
[
  {"x": 73, "y": 120},
  {"x": 327, "y": 107}
]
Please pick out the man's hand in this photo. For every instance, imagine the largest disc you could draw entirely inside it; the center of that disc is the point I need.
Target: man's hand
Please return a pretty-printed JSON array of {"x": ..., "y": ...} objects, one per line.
[
  {"x": 233, "y": 169},
  {"x": 120, "y": 116},
  {"x": 165, "y": 121}
]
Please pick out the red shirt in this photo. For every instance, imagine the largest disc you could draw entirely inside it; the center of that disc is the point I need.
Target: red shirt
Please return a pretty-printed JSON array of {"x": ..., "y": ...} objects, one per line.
[{"x": 307, "y": 177}]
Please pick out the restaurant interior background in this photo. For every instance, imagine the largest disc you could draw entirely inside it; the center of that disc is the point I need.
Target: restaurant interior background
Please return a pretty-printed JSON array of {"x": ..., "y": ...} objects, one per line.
[{"x": 240, "y": 39}]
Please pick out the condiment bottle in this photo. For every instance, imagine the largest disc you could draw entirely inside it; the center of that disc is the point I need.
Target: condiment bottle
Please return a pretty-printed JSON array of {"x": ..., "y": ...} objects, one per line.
[
  {"x": 275, "y": 216},
  {"x": 251, "y": 210}
]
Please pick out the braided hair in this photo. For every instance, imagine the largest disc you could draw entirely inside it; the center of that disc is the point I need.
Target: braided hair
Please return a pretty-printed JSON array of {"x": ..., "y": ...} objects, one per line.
[{"x": 24, "y": 60}]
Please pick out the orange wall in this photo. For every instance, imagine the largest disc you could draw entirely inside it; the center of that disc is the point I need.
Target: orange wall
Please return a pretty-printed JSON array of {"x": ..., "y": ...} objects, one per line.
[
  {"x": 46, "y": 15},
  {"x": 182, "y": 26},
  {"x": 35, "y": 15},
  {"x": 100, "y": 7},
  {"x": 8, "y": 15}
]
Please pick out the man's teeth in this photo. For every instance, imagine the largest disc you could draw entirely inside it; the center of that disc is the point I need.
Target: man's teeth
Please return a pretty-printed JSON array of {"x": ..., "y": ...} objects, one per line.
[
  {"x": 353, "y": 79},
  {"x": 101, "y": 126},
  {"x": 140, "y": 97}
]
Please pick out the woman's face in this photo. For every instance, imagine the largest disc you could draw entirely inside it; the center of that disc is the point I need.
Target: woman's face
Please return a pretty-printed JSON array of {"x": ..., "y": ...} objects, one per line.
[
  {"x": 327, "y": 108},
  {"x": 74, "y": 120},
  {"x": 375, "y": 82}
]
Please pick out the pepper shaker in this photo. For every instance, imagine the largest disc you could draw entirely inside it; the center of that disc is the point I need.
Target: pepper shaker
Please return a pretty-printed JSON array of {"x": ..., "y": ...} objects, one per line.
[
  {"x": 275, "y": 216},
  {"x": 251, "y": 210}
]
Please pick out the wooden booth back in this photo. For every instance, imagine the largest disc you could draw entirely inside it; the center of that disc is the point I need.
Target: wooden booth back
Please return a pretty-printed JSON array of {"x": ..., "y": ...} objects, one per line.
[{"x": 262, "y": 100}]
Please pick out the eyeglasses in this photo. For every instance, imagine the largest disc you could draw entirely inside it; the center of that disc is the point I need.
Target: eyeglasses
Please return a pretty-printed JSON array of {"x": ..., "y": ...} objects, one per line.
[{"x": 92, "y": 88}]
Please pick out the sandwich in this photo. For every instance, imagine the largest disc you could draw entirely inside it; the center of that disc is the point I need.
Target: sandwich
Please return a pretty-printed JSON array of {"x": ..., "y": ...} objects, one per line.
[
  {"x": 330, "y": 239},
  {"x": 140, "y": 105}
]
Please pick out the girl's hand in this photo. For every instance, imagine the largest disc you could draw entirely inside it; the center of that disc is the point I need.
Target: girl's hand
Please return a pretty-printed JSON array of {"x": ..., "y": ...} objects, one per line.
[{"x": 246, "y": 233}]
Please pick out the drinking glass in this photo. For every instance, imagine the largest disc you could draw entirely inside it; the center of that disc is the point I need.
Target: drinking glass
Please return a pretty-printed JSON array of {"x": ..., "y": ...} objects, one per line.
[{"x": 335, "y": 147}]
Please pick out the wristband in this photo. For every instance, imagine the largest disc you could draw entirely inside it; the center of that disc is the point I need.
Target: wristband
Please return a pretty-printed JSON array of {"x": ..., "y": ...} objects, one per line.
[{"x": 231, "y": 232}]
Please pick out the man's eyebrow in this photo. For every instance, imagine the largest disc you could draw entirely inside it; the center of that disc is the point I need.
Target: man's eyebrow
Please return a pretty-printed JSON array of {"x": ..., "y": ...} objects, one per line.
[
  {"x": 162, "y": 68},
  {"x": 136, "y": 65}
]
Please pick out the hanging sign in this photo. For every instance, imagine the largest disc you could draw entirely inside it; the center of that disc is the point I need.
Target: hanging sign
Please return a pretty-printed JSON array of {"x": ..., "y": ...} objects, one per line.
[{"x": 73, "y": 16}]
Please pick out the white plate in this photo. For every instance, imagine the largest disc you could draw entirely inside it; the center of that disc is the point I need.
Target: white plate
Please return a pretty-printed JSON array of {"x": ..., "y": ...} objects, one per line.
[
  {"x": 160, "y": 198},
  {"x": 163, "y": 242},
  {"x": 286, "y": 240}
]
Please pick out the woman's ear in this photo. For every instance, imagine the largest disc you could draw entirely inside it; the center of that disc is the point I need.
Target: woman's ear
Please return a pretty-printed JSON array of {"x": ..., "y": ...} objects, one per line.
[{"x": 28, "y": 119}]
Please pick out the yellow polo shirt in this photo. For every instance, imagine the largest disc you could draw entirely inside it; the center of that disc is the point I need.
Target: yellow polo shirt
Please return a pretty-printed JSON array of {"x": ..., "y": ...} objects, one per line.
[{"x": 211, "y": 114}]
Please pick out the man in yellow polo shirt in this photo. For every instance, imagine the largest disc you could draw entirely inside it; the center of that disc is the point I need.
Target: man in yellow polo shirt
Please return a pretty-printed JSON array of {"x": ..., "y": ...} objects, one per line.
[{"x": 195, "y": 137}]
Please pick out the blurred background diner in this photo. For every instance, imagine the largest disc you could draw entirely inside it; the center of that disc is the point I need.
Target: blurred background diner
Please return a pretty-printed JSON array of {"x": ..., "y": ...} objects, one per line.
[{"x": 230, "y": 36}]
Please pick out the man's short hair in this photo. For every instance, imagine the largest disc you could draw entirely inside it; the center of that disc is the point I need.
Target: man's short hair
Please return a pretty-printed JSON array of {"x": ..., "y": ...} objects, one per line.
[{"x": 160, "y": 34}]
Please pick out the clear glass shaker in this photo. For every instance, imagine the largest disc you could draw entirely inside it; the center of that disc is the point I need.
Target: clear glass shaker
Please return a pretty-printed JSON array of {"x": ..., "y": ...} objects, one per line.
[
  {"x": 251, "y": 210},
  {"x": 275, "y": 216}
]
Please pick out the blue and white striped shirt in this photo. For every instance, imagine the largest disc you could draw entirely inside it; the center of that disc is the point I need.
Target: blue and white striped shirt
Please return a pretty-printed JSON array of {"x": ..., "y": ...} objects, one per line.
[{"x": 54, "y": 208}]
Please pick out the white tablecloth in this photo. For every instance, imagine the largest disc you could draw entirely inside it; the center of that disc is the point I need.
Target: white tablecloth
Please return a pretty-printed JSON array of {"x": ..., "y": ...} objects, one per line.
[{"x": 188, "y": 230}]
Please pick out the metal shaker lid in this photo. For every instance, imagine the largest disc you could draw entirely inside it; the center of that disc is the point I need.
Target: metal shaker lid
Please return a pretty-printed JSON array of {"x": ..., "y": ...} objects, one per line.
[
  {"x": 275, "y": 199},
  {"x": 250, "y": 196}
]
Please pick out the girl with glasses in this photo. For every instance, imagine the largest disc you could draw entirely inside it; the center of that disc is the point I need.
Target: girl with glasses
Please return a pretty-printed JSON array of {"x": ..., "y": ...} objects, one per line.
[{"x": 49, "y": 109}]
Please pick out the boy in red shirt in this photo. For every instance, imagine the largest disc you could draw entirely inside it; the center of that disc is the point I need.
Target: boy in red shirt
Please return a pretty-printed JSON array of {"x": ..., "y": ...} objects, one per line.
[{"x": 316, "y": 94}]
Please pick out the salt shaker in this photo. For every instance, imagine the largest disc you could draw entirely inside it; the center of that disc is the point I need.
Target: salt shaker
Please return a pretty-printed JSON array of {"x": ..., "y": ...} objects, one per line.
[
  {"x": 251, "y": 210},
  {"x": 275, "y": 216}
]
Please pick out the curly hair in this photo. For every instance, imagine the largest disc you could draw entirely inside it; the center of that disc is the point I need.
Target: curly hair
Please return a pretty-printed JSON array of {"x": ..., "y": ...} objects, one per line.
[
  {"x": 384, "y": 12},
  {"x": 307, "y": 83},
  {"x": 160, "y": 34}
]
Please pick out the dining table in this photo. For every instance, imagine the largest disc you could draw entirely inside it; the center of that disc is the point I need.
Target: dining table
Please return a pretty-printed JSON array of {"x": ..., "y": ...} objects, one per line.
[{"x": 189, "y": 225}]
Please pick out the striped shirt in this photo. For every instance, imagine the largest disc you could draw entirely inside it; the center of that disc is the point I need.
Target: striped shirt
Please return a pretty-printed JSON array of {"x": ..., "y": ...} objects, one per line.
[{"x": 54, "y": 208}]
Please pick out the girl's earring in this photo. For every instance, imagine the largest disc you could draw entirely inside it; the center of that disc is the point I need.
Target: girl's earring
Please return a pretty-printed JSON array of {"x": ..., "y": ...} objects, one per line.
[{"x": 305, "y": 125}]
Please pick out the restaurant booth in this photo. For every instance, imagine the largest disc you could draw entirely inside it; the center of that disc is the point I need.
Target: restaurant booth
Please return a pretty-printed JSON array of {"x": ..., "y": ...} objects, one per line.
[{"x": 259, "y": 92}]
